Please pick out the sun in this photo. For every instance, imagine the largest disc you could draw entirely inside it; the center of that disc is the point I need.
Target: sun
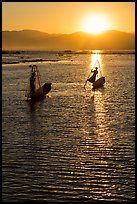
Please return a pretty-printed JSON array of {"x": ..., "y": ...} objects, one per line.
[{"x": 95, "y": 24}]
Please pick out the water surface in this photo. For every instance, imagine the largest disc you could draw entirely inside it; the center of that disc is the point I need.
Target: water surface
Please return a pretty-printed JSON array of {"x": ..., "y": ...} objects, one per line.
[{"x": 76, "y": 145}]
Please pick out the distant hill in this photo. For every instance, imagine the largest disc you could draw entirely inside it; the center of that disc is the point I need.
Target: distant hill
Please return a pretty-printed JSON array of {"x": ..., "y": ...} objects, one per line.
[{"x": 36, "y": 40}]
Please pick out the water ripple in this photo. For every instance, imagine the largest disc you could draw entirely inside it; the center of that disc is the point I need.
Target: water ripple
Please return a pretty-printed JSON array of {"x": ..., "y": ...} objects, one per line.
[{"x": 76, "y": 145}]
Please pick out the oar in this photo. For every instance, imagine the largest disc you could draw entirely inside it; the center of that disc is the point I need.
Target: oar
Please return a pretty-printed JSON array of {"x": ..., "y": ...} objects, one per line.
[
  {"x": 87, "y": 79},
  {"x": 85, "y": 83}
]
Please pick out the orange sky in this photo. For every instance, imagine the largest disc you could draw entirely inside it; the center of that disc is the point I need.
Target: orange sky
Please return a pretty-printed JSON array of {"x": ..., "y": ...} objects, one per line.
[{"x": 66, "y": 17}]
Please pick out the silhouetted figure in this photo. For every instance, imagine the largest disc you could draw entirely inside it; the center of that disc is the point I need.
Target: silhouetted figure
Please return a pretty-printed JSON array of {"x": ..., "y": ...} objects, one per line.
[
  {"x": 32, "y": 83},
  {"x": 93, "y": 77}
]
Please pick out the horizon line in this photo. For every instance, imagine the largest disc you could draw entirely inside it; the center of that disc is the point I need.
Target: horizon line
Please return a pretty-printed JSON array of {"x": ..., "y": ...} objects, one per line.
[{"x": 133, "y": 32}]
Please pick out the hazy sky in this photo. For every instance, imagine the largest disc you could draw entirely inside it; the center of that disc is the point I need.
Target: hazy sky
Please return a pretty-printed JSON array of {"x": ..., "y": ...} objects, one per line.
[{"x": 66, "y": 17}]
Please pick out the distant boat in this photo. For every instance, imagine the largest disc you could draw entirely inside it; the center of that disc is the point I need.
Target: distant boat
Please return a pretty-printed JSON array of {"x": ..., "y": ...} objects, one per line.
[
  {"x": 96, "y": 79},
  {"x": 60, "y": 54},
  {"x": 35, "y": 90}
]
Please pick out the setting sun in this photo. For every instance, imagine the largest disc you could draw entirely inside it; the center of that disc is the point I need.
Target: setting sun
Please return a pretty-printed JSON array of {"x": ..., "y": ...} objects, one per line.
[{"x": 95, "y": 24}]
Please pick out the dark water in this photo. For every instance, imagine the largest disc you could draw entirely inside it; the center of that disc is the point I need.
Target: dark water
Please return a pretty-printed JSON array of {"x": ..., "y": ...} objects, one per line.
[{"x": 76, "y": 145}]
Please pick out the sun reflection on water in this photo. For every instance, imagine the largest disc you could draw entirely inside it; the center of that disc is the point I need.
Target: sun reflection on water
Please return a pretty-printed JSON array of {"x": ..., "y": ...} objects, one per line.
[
  {"x": 101, "y": 118},
  {"x": 97, "y": 119},
  {"x": 96, "y": 61},
  {"x": 96, "y": 145}
]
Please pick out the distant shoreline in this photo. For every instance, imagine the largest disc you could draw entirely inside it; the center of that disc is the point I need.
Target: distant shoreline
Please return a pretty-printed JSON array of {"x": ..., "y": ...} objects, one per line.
[
  {"x": 71, "y": 51},
  {"x": 21, "y": 56}
]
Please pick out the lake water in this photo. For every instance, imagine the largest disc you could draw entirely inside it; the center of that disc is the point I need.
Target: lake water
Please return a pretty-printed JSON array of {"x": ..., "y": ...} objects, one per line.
[{"x": 75, "y": 145}]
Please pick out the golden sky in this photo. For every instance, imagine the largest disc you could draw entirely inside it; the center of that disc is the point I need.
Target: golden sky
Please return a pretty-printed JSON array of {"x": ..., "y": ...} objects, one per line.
[{"x": 69, "y": 17}]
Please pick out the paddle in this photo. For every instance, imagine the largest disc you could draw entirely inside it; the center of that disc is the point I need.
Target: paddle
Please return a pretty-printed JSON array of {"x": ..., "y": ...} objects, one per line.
[
  {"x": 85, "y": 83},
  {"x": 87, "y": 78}
]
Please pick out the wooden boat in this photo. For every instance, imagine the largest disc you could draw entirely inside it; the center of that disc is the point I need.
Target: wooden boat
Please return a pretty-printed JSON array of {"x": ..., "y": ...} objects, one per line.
[
  {"x": 96, "y": 79},
  {"x": 35, "y": 90},
  {"x": 99, "y": 83}
]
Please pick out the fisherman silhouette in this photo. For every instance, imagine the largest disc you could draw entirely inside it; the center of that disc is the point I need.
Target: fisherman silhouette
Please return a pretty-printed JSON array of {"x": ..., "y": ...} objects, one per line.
[
  {"x": 32, "y": 83},
  {"x": 93, "y": 77}
]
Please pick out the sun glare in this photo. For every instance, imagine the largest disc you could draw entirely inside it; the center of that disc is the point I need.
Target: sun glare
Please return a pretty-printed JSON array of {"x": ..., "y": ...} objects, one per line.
[{"x": 95, "y": 24}]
